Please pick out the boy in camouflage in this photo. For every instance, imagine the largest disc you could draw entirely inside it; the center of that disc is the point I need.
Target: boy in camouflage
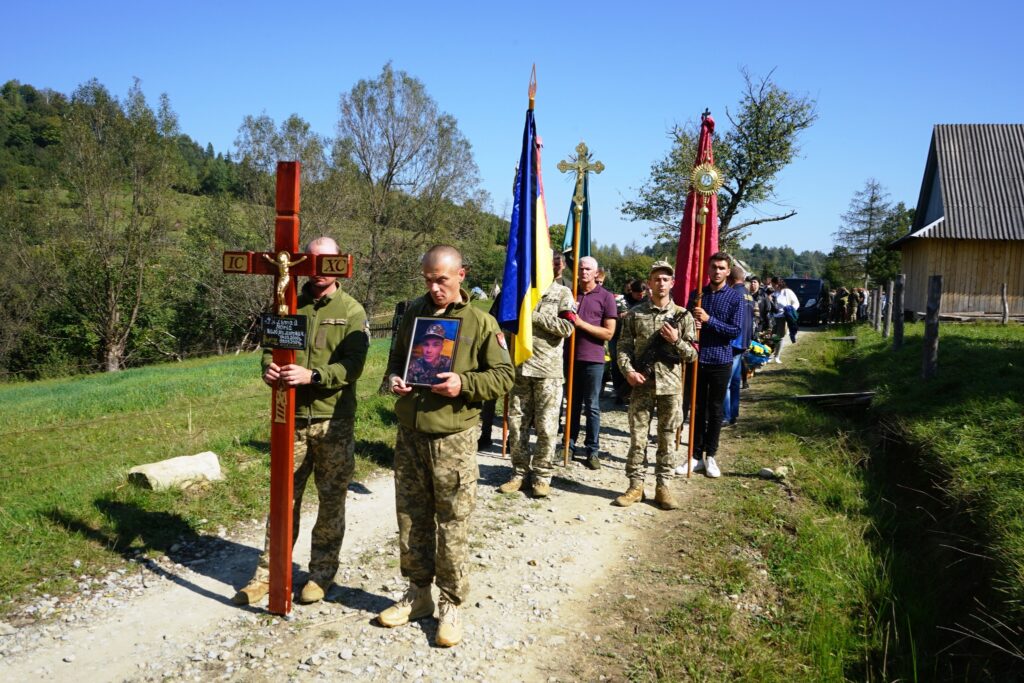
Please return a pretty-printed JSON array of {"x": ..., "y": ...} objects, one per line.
[
  {"x": 435, "y": 451},
  {"x": 657, "y": 387},
  {"x": 537, "y": 393}
]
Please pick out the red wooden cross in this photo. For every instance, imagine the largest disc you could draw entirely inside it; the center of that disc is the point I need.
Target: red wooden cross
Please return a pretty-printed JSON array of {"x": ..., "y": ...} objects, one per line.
[{"x": 282, "y": 405}]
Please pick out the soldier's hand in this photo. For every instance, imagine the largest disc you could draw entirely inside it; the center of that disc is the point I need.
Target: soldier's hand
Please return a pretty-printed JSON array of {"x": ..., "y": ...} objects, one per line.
[
  {"x": 271, "y": 374},
  {"x": 398, "y": 386},
  {"x": 635, "y": 378},
  {"x": 669, "y": 333},
  {"x": 295, "y": 375},
  {"x": 450, "y": 387}
]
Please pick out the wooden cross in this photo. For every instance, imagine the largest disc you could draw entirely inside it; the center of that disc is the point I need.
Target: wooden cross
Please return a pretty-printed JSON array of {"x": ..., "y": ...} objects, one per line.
[{"x": 284, "y": 263}]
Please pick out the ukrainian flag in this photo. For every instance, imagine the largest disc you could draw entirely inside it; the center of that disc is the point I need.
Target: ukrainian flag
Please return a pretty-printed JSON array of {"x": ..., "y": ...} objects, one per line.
[{"x": 528, "y": 271}]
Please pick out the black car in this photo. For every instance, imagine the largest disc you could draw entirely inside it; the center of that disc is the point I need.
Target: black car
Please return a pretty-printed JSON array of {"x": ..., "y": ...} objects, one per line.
[{"x": 812, "y": 294}]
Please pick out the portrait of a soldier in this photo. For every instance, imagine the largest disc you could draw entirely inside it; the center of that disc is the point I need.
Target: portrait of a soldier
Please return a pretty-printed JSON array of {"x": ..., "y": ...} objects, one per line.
[{"x": 432, "y": 360}]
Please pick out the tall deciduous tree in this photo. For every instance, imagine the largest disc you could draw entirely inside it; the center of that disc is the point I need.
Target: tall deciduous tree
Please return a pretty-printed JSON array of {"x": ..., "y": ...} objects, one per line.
[
  {"x": 413, "y": 165},
  {"x": 763, "y": 138},
  {"x": 118, "y": 163}
]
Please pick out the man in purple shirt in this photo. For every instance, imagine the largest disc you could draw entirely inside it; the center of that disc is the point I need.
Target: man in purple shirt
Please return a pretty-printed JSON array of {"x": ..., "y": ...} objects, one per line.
[
  {"x": 596, "y": 315},
  {"x": 718, "y": 318}
]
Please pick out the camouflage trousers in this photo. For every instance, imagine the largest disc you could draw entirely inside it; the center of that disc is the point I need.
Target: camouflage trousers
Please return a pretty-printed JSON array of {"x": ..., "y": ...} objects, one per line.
[
  {"x": 534, "y": 401},
  {"x": 326, "y": 450},
  {"x": 435, "y": 493},
  {"x": 642, "y": 403}
]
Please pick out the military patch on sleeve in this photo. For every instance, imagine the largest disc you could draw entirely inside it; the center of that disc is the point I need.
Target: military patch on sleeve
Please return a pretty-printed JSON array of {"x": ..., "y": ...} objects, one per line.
[{"x": 501, "y": 340}]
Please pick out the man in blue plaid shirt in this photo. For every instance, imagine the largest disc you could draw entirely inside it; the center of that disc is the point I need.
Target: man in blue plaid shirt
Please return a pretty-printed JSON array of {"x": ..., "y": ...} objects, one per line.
[{"x": 718, "y": 319}]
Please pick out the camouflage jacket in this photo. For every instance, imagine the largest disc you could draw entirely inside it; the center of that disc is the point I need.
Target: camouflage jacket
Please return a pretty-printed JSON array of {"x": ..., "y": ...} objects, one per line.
[
  {"x": 336, "y": 344},
  {"x": 549, "y": 331},
  {"x": 481, "y": 361},
  {"x": 638, "y": 327}
]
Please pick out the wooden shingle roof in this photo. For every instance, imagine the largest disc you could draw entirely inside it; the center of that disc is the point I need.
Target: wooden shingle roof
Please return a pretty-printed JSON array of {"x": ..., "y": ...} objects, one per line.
[{"x": 979, "y": 182}]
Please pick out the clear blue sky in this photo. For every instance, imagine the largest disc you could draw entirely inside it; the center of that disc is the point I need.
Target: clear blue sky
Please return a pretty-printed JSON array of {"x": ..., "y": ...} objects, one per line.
[{"x": 617, "y": 75}]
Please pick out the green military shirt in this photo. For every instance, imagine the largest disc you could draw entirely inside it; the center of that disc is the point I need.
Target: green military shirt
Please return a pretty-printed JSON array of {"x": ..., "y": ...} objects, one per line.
[
  {"x": 639, "y": 325},
  {"x": 481, "y": 361},
  {"x": 549, "y": 331},
  {"x": 337, "y": 340}
]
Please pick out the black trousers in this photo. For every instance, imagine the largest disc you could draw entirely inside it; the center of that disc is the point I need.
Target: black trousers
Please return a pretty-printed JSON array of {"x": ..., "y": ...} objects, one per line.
[{"x": 712, "y": 381}]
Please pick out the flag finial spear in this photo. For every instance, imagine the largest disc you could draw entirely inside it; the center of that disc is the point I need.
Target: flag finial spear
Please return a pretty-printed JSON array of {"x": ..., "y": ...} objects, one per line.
[{"x": 533, "y": 85}]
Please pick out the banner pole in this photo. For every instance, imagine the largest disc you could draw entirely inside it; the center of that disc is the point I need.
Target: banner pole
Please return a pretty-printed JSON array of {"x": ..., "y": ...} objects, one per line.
[
  {"x": 696, "y": 363},
  {"x": 578, "y": 217}
]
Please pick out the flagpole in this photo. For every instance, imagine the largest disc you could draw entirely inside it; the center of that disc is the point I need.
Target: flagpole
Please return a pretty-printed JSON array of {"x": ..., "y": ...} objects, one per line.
[{"x": 577, "y": 219}]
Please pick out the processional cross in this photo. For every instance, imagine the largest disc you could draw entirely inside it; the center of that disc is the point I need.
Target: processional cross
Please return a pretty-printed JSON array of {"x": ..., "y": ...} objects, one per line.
[
  {"x": 284, "y": 332},
  {"x": 581, "y": 165}
]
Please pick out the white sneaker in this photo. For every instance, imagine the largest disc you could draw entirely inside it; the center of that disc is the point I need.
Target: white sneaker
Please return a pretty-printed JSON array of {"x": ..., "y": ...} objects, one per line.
[
  {"x": 712, "y": 468},
  {"x": 777, "y": 360},
  {"x": 681, "y": 469},
  {"x": 698, "y": 466}
]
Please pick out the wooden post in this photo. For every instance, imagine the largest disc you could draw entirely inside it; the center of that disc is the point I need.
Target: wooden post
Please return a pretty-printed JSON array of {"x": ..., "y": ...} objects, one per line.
[
  {"x": 930, "y": 360},
  {"x": 897, "y": 312},
  {"x": 1006, "y": 305},
  {"x": 876, "y": 307},
  {"x": 887, "y": 310}
]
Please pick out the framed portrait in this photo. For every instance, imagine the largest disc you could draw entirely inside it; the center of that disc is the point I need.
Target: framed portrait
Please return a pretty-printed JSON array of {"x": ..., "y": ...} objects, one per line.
[{"x": 432, "y": 350}]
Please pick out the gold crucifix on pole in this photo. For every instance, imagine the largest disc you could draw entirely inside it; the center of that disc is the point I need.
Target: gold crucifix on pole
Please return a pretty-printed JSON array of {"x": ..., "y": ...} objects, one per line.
[{"x": 581, "y": 165}]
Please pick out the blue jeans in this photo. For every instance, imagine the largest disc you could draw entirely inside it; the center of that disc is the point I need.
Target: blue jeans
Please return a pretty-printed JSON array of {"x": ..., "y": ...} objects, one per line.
[
  {"x": 731, "y": 405},
  {"x": 586, "y": 395}
]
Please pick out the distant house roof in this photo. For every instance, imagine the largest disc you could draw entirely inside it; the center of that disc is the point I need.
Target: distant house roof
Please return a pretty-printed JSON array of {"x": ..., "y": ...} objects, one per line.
[{"x": 973, "y": 186}]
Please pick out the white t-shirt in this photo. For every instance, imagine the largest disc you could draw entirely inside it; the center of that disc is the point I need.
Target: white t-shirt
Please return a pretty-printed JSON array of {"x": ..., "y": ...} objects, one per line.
[{"x": 786, "y": 297}]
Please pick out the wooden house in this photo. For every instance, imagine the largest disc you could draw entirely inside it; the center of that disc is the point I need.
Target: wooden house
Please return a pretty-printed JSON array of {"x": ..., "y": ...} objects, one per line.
[{"x": 969, "y": 224}]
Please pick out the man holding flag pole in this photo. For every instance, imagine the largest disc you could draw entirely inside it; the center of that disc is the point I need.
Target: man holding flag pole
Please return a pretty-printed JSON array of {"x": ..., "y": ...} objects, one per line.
[
  {"x": 539, "y": 313},
  {"x": 716, "y": 309}
]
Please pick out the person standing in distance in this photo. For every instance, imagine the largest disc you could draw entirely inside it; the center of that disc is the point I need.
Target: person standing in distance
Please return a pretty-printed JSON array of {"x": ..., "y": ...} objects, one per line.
[
  {"x": 536, "y": 395},
  {"x": 659, "y": 389},
  {"x": 718, "y": 317},
  {"x": 435, "y": 450},
  {"x": 324, "y": 376},
  {"x": 596, "y": 316}
]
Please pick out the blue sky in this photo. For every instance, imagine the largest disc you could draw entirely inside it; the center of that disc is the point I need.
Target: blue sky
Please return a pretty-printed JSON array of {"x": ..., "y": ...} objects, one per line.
[{"x": 616, "y": 75}]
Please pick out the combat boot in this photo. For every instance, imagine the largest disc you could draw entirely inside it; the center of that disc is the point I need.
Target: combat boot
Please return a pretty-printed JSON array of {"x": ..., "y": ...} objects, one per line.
[
  {"x": 512, "y": 485},
  {"x": 311, "y": 592},
  {"x": 254, "y": 591},
  {"x": 634, "y": 494},
  {"x": 541, "y": 489},
  {"x": 449, "y": 627},
  {"x": 664, "y": 499},
  {"x": 417, "y": 603}
]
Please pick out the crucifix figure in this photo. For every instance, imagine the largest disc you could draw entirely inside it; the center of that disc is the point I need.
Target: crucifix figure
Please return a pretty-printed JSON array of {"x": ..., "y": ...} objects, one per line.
[
  {"x": 581, "y": 165},
  {"x": 283, "y": 263}
]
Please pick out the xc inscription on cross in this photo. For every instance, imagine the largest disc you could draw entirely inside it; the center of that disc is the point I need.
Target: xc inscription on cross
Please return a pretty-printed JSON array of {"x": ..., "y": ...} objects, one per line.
[{"x": 289, "y": 333}]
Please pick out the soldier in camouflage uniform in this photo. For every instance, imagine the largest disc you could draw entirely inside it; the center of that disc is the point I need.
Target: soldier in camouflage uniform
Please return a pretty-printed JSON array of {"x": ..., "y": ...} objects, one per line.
[
  {"x": 537, "y": 393},
  {"x": 435, "y": 451},
  {"x": 324, "y": 376},
  {"x": 431, "y": 362},
  {"x": 656, "y": 386}
]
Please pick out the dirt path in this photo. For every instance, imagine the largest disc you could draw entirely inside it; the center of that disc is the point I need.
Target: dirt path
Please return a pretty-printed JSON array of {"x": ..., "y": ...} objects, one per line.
[{"x": 538, "y": 566}]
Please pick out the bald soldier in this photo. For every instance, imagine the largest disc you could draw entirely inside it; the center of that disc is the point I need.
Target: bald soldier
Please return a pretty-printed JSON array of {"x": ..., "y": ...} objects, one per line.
[
  {"x": 324, "y": 376},
  {"x": 435, "y": 451},
  {"x": 657, "y": 336}
]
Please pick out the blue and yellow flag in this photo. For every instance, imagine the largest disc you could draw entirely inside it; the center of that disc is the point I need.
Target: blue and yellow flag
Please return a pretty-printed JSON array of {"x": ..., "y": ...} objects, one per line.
[
  {"x": 567, "y": 245},
  {"x": 528, "y": 271}
]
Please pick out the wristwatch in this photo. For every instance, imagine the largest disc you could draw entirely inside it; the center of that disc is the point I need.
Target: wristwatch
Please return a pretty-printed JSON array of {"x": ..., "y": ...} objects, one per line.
[{"x": 316, "y": 378}]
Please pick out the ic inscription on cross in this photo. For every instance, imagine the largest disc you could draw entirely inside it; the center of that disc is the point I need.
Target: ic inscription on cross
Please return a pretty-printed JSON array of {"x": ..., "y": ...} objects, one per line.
[{"x": 284, "y": 332}]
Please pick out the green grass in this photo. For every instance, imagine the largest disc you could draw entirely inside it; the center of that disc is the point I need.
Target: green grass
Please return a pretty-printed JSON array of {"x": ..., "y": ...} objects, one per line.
[{"x": 66, "y": 445}]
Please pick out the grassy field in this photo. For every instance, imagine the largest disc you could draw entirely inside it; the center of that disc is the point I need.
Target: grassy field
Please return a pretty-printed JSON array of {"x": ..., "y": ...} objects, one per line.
[
  {"x": 892, "y": 550},
  {"x": 66, "y": 445}
]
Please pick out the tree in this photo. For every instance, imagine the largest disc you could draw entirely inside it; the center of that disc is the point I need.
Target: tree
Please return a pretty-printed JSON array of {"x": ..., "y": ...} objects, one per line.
[
  {"x": 118, "y": 163},
  {"x": 413, "y": 166},
  {"x": 869, "y": 225},
  {"x": 763, "y": 139}
]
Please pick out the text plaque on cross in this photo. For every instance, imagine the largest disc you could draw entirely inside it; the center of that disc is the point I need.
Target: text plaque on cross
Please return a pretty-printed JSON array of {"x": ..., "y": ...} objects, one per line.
[{"x": 285, "y": 263}]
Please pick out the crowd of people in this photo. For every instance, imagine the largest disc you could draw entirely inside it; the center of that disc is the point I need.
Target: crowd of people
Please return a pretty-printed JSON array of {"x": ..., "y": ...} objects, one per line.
[{"x": 446, "y": 391}]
